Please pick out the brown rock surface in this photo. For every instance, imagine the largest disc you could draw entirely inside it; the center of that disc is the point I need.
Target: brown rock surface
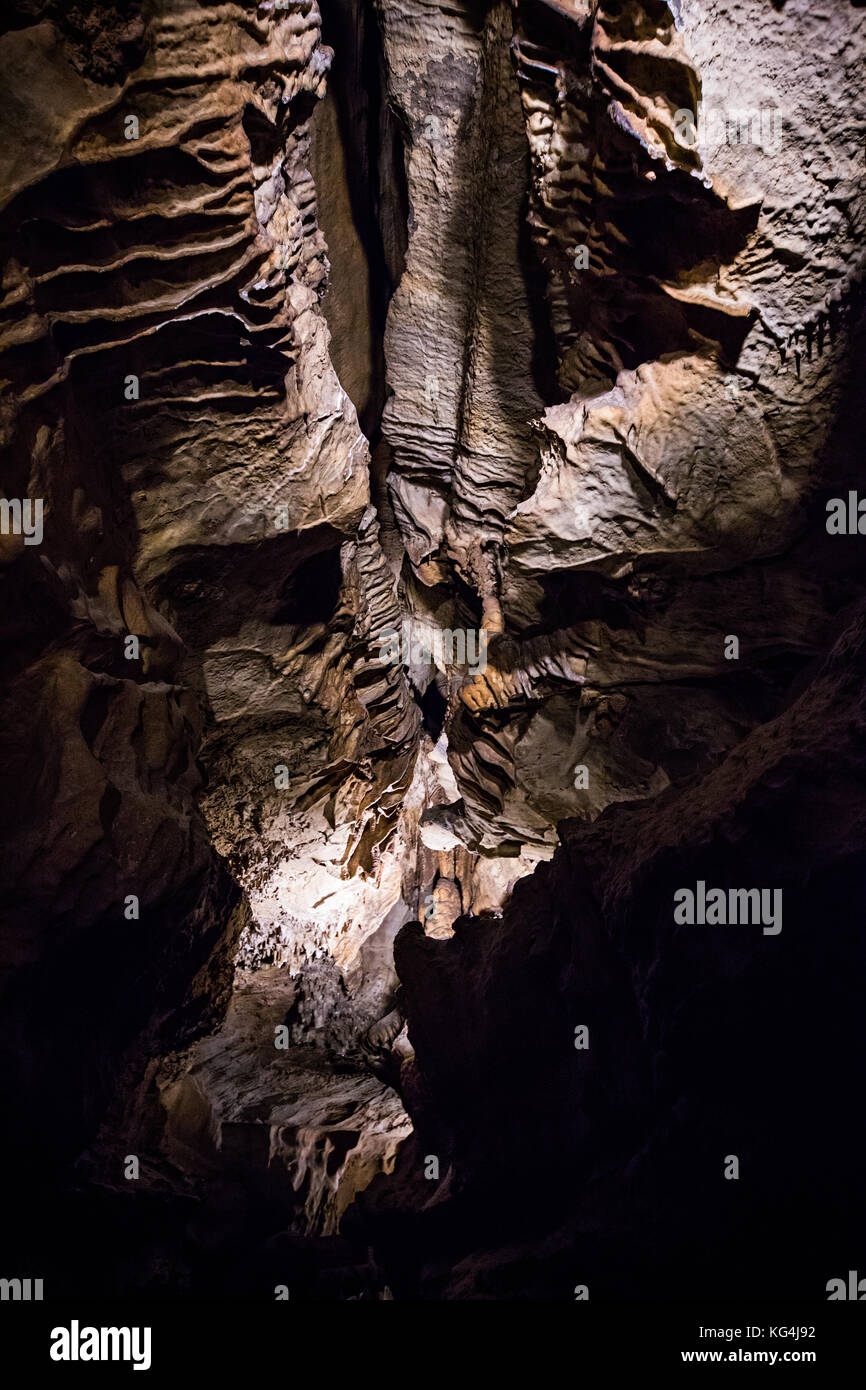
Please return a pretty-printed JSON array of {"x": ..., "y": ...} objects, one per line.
[{"x": 301, "y": 354}]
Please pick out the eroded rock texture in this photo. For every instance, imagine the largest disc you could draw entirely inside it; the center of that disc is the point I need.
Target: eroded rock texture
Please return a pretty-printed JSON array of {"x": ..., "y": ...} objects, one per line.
[
  {"x": 169, "y": 396},
  {"x": 433, "y": 410},
  {"x": 571, "y": 1157}
]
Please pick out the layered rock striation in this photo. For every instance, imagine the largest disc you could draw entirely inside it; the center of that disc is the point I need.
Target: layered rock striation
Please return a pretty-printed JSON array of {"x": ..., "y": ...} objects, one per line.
[{"x": 428, "y": 415}]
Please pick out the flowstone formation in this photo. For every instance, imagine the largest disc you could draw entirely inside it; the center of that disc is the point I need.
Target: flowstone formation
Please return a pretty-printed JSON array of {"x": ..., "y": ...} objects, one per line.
[
  {"x": 431, "y": 412},
  {"x": 202, "y": 603}
]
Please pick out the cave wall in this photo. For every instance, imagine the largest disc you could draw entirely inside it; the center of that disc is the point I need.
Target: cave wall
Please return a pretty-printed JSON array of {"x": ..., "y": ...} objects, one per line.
[
  {"x": 300, "y": 347},
  {"x": 708, "y": 354},
  {"x": 600, "y": 1158},
  {"x": 167, "y": 394}
]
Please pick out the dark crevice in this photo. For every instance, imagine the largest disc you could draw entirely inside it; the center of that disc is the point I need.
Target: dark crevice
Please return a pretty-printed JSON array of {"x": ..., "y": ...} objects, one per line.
[
  {"x": 434, "y": 708},
  {"x": 311, "y": 594},
  {"x": 375, "y": 168}
]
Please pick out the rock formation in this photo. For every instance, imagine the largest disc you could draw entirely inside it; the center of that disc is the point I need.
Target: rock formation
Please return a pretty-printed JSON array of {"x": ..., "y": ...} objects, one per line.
[{"x": 421, "y": 422}]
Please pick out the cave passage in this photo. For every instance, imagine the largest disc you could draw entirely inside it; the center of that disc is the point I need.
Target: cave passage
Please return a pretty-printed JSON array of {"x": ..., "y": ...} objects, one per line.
[{"x": 433, "y": 613}]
